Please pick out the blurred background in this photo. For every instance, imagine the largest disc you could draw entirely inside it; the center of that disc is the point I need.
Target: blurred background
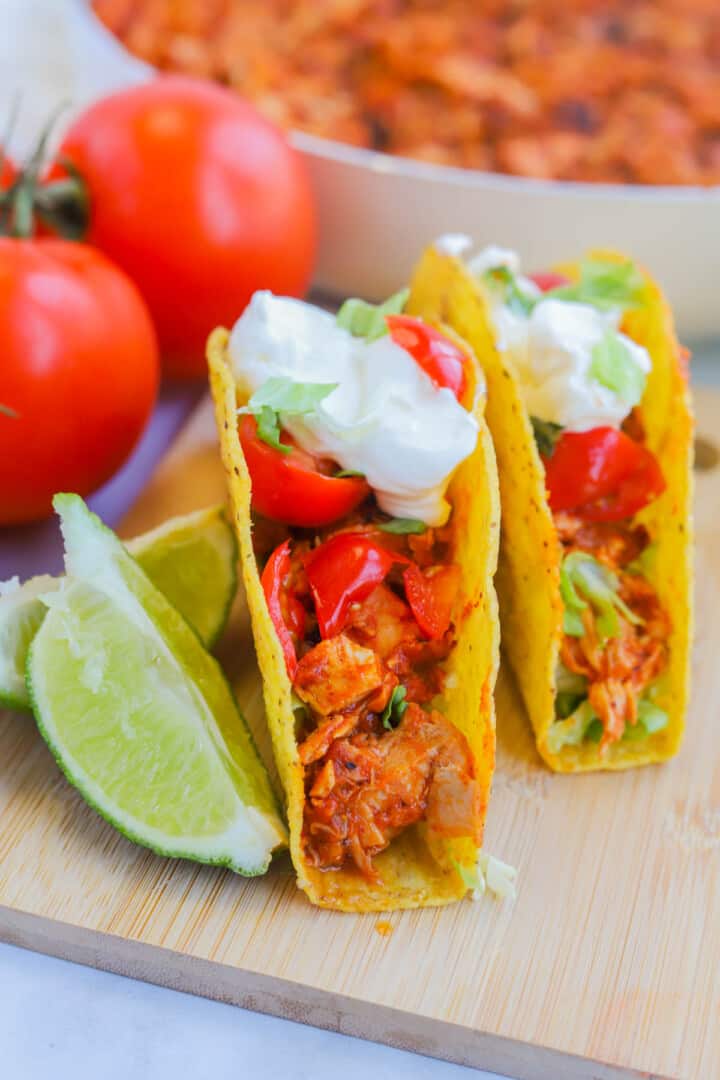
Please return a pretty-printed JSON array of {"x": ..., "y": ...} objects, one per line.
[{"x": 314, "y": 146}]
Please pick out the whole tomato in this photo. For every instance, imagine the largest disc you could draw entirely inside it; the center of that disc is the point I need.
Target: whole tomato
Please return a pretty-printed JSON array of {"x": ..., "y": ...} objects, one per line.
[
  {"x": 199, "y": 199},
  {"x": 8, "y": 172},
  {"x": 78, "y": 372}
]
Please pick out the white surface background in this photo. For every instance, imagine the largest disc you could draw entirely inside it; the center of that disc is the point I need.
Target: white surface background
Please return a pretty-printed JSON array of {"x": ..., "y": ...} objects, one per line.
[{"x": 65, "y": 1022}]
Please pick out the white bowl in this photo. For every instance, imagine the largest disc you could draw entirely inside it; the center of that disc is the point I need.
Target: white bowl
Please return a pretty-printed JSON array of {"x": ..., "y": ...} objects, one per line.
[{"x": 377, "y": 212}]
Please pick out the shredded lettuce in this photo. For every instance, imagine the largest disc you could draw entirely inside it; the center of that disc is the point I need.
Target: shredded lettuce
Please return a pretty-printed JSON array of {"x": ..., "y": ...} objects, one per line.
[
  {"x": 546, "y": 435},
  {"x": 566, "y": 703},
  {"x": 584, "y": 724},
  {"x": 614, "y": 366},
  {"x": 368, "y": 320},
  {"x": 574, "y": 605},
  {"x": 489, "y": 875},
  {"x": 644, "y": 565},
  {"x": 287, "y": 396},
  {"x": 403, "y": 526},
  {"x": 650, "y": 719},
  {"x": 572, "y": 730},
  {"x": 584, "y": 580},
  {"x": 652, "y": 716},
  {"x": 594, "y": 731},
  {"x": 518, "y": 301},
  {"x": 281, "y": 394},
  {"x": 395, "y": 708},
  {"x": 569, "y": 682},
  {"x": 604, "y": 284}
]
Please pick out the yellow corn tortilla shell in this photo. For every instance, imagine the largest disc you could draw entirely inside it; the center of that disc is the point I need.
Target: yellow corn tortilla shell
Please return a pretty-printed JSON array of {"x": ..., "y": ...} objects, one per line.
[
  {"x": 528, "y": 578},
  {"x": 417, "y": 869}
]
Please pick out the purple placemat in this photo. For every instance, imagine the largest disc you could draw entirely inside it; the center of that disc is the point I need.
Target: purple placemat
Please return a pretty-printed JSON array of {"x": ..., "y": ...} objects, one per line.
[{"x": 37, "y": 549}]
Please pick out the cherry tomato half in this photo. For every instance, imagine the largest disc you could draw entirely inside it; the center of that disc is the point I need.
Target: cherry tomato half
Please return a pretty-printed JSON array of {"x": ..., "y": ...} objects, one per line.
[
  {"x": 286, "y": 611},
  {"x": 548, "y": 279},
  {"x": 343, "y": 570},
  {"x": 289, "y": 487},
  {"x": 602, "y": 475},
  {"x": 437, "y": 355},
  {"x": 431, "y": 595}
]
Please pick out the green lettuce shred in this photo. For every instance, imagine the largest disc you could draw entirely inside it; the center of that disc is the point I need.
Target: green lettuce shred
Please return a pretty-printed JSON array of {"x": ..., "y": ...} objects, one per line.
[
  {"x": 572, "y": 730},
  {"x": 614, "y": 366},
  {"x": 395, "y": 708},
  {"x": 518, "y": 301},
  {"x": 489, "y": 874},
  {"x": 604, "y": 284},
  {"x": 403, "y": 526},
  {"x": 366, "y": 320},
  {"x": 644, "y": 565},
  {"x": 584, "y": 724},
  {"x": 566, "y": 703},
  {"x": 546, "y": 435},
  {"x": 281, "y": 394},
  {"x": 585, "y": 581},
  {"x": 651, "y": 718}
]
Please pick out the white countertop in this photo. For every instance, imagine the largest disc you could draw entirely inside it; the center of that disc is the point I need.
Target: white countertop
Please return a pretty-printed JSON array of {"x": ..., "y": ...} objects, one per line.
[{"x": 67, "y": 1022}]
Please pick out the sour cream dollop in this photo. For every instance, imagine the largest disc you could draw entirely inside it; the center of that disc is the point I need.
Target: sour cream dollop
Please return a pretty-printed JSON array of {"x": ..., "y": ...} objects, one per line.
[
  {"x": 552, "y": 350},
  {"x": 385, "y": 418},
  {"x": 555, "y": 366}
]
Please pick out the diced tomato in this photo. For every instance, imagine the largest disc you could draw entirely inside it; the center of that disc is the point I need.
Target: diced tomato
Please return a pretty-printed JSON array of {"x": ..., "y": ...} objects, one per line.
[
  {"x": 286, "y": 611},
  {"x": 437, "y": 355},
  {"x": 602, "y": 475},
  {"x": 431, "y": 595},
  {"x": 344, "y": 570},
  {"x": 548, "y": 279},
  {"x": 290, "y": 488}
]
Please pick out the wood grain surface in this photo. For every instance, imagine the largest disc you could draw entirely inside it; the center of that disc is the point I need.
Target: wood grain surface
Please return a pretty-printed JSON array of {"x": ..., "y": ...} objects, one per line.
[{"x": 606, "y": 965}]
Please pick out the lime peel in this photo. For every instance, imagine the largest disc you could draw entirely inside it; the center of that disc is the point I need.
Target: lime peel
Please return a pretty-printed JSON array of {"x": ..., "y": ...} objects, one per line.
[
  {"x": 140, "y": 717},
  {"x": 192, "y": 560}
]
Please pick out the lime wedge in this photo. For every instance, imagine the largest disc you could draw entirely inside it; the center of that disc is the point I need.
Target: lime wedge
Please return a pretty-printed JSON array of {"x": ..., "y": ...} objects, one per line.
[
  {"x": 21, "y": 612},
  {"x": 191, "y": 559},
  {"x": 139, "y": 716}
]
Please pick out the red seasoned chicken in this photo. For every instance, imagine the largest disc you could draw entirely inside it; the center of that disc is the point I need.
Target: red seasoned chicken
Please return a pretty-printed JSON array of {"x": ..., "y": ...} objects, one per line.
[
  {"x": 373, "y": 784},
  {"x": 620, "y": 668}
]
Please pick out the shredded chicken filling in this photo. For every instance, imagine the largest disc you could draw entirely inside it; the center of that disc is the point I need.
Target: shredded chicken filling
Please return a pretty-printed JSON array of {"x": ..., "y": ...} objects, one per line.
[
  {"x": 620, "y": 668},
  {"x": 366, "y": 780}
]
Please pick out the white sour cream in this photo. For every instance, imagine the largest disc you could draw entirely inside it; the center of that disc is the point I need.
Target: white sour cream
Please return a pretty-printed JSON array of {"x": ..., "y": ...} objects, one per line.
[
  {"x": 551, "y": 349},
  {"x": 492, "y": 257},
  {"x": 554, "y": 367},
  {"x": 454, "y": 244},
  {"x": 385, "y": 419}
]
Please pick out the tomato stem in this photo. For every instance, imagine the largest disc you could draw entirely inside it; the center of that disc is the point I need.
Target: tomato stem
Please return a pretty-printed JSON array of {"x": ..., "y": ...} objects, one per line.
[{"x": 61, "y": 204}]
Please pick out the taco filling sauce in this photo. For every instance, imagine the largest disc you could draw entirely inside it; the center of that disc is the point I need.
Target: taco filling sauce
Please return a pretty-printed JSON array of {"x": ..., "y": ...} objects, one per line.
[
  {"x": 352, "y": 431},
  {"x": 582, "y": 379}
]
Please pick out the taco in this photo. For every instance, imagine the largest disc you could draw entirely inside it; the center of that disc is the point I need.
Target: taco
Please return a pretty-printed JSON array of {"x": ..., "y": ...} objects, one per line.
[
  {"x": 365, "y": 498},
  {"x": 589, "y": 409}
]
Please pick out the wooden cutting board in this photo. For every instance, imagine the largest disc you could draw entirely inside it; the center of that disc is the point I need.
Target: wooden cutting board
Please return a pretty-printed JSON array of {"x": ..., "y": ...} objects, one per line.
[{"x": 607, "y": 965}]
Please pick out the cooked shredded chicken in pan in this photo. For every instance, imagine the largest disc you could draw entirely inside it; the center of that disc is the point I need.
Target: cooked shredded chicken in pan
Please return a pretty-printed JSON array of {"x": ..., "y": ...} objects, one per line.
[{"x": 595, "y": 90}]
